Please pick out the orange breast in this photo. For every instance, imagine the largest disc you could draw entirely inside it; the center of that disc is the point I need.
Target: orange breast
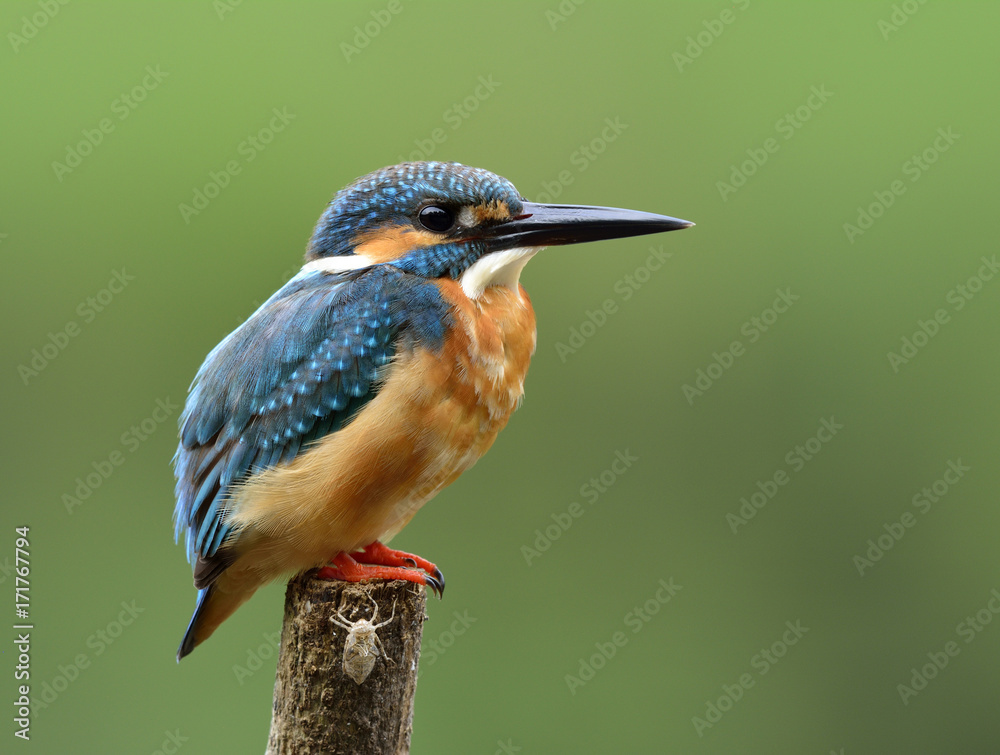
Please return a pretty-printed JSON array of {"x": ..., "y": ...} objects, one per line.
[
  {"x": 487, "y": 352},
  {"x": 436, "y": 414},
  {"x": 462, "y": 397}
]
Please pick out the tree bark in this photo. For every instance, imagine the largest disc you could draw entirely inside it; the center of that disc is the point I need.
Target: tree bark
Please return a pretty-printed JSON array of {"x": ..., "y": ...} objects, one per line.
[{"x": 318, "y": 707}]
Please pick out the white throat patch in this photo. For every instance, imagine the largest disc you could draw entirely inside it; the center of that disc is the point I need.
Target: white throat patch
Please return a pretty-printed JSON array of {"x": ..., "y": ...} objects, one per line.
[{"x": 496, "y": 269}]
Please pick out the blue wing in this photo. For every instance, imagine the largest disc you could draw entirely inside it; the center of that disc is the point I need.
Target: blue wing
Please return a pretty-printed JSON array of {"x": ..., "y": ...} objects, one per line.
[{"x": 298, "y": 369}]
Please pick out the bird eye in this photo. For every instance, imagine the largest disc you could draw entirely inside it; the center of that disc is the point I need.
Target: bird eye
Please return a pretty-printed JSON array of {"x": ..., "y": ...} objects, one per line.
[{"x": 436, "y": 218}]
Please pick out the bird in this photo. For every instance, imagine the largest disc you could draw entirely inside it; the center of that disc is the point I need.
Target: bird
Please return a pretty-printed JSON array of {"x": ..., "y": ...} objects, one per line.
[{"x": 369, "y": 382}]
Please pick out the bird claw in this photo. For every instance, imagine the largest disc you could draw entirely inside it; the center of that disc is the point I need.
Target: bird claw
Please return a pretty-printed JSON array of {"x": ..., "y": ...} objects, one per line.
[
  {"x": 439, "y": 580},
  {"x": 435, "y": 584},
  {"x": 376, "y": 561}
]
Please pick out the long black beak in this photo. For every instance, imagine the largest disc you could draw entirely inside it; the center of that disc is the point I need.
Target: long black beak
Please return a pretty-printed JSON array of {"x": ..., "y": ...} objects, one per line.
[{"x": 552, "y": 224}]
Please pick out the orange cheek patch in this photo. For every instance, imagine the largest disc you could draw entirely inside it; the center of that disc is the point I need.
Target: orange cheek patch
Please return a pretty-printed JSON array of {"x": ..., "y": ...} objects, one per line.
[
  {"x": 496, "y": 210},
  {"x": 392, "y": 242}
]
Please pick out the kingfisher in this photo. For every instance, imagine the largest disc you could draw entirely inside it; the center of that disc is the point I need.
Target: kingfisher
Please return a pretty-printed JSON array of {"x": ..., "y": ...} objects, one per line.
[{"x": 380, "y": 372}]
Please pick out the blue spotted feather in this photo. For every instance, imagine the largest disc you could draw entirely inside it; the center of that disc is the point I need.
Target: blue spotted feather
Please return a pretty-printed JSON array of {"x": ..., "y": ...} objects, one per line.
[{"x": 298, "y": 369}]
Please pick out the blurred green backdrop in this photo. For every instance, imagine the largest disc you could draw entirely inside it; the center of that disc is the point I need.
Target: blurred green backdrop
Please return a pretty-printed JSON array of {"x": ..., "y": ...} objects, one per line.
[{"x": 838, "y": 156}]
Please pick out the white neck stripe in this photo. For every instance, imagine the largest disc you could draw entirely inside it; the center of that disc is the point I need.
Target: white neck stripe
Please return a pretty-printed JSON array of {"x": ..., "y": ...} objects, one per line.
[{"x": 338, "y": 264}]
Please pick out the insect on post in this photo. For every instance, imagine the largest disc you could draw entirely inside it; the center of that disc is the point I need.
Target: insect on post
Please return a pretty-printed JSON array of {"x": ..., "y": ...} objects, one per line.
[{"x": 362, "y": 645}]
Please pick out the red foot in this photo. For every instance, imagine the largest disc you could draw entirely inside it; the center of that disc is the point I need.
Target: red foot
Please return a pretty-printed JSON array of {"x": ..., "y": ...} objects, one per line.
[
  {"x": 376, "y": 553},
  {"x": 376, "y": 561}
]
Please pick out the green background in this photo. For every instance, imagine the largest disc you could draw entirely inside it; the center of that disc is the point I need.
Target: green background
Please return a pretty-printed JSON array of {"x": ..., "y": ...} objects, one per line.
[{"x": 684, "y": 127}]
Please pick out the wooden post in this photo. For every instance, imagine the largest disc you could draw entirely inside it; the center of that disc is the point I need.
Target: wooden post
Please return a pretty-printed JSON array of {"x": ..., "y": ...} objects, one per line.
[{"x": 318, "y": 707}]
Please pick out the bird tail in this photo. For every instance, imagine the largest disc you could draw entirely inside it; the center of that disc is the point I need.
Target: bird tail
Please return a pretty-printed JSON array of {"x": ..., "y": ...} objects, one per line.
[
  {"x": 214, "y": 606},
  {"x": 189, "y": 642}
]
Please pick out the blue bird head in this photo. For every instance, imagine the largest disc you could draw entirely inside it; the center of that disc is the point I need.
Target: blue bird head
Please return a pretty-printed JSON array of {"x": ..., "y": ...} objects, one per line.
[{"x": 436, "y": 219}]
